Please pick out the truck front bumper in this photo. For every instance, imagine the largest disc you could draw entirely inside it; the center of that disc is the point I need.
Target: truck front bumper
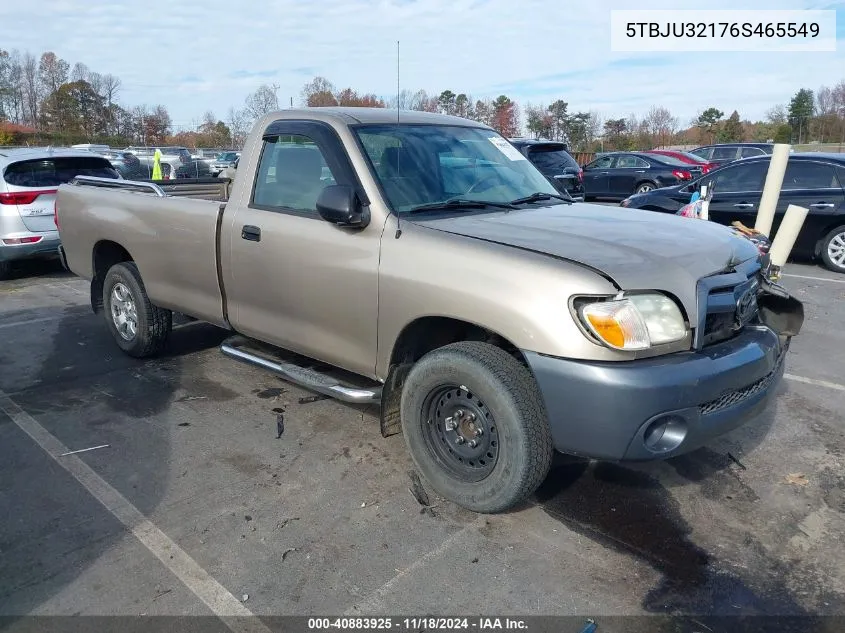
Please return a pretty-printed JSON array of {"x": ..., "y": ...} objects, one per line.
[{"x": 659, "y": 407}]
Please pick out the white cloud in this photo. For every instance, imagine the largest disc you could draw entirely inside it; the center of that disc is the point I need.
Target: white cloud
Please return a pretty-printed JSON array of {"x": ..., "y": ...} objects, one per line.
[{"x": 533, "y": 50}]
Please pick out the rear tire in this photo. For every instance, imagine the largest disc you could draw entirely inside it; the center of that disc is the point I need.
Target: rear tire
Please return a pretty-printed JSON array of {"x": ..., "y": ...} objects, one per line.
[
  {"x": 833, "y": 250},
  {"x": 645, "y": 187},
  {"x": 5, "y": 270},
  {"x": 140, "y": 329},
  {"x": 493, "y": 401}
]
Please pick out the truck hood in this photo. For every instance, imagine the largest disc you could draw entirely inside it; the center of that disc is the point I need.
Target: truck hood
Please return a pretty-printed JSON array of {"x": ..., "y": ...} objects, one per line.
[{"x": 637, "y": 250}]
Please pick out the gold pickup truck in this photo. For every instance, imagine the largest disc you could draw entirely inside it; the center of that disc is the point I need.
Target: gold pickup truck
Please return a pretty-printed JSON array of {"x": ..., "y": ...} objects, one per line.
[{"x": 435, "y": 271}]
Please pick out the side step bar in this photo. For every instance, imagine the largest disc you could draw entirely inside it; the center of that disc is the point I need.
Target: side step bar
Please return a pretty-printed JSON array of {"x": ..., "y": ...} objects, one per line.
[{"x": 304, "y": 377}]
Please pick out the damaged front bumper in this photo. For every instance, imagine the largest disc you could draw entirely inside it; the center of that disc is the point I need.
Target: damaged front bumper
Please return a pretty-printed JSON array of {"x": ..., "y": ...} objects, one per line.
[{"x": 665, "y": 406}]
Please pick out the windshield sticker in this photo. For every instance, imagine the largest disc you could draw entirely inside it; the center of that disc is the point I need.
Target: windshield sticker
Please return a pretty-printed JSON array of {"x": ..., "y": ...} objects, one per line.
[{"x": 506, "y": 148}]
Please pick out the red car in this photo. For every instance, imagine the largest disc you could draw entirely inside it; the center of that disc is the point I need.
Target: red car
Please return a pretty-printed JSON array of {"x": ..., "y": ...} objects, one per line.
[{"x": 686, "y": 157}]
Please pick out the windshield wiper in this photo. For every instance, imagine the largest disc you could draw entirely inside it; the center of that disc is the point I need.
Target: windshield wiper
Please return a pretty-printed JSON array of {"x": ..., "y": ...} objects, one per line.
[
  {"x": 460, "y": 203},
  {"x": 541, "y": 195}
]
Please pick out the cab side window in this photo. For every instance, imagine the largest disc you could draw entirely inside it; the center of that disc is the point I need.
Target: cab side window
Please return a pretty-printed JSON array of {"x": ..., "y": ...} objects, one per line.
[{"x": 292, "y": 173}]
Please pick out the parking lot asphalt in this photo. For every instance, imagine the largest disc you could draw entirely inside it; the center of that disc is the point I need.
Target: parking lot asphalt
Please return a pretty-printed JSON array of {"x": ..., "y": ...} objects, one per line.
[{"x": 194, "y": 504}]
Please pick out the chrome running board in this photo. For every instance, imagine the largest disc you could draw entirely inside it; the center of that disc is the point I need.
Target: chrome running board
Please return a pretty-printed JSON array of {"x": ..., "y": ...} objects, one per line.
[{"x": 305, "y": 377}]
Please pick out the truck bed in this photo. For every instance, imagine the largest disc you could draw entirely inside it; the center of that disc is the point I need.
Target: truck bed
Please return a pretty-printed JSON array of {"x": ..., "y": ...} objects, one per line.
[
  {"x": 216, "y": 189},
  {"x": 173, "y": 239}
]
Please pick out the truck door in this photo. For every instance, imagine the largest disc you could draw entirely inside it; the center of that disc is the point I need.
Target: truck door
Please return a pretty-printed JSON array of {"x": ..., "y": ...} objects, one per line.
[{"x": 292, "y": 279}]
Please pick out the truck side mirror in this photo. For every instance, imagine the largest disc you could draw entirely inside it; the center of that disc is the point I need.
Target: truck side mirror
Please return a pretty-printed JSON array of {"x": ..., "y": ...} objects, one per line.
[{"x": 339, "y": 204}]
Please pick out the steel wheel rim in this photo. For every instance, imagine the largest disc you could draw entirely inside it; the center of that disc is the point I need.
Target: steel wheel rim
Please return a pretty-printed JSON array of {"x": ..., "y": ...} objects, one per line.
[
  {"x": 644, "y": 188},
  {"x": 124, "y": 313},
  {"x": 836, "y": 249},
  {"x": 453, "y": 418}
]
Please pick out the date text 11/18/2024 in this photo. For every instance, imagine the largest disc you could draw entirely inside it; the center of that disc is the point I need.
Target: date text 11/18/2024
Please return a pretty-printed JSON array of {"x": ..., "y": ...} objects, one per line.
[{"x": 417, "y": 624}]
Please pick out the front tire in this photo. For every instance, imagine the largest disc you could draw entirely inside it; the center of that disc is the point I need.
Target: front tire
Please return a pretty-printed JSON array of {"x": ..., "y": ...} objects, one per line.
[
  {"x": 140, "y": 329},
  {"x": 833, "y": 250},
  {"x": 475, "y": 425}
]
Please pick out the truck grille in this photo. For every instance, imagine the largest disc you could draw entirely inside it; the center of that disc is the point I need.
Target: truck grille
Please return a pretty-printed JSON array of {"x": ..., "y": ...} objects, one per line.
[
  {"x": 738, "y": 395},
  {"x": 727, "y": 303}
]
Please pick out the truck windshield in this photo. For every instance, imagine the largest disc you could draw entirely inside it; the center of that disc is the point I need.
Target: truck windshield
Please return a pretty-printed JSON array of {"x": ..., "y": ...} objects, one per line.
[{"x": 427, "y": 164}]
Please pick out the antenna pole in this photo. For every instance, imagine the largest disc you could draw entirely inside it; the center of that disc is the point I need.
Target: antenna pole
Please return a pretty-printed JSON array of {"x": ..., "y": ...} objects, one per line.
[{"x": 398, "y": 97}]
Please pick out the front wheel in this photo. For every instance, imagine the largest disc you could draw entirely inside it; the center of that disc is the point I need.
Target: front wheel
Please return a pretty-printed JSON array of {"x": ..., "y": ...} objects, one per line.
[
  {"x": 645, "y": 187},
  {"x": 833, "y": 249},
  {"x": 476, "y": 427},
  {"x": 139, "y": 328}
]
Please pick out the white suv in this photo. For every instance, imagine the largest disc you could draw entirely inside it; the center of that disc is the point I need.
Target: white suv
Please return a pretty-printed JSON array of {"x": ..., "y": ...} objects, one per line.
[{"x": 29, "y": 179}]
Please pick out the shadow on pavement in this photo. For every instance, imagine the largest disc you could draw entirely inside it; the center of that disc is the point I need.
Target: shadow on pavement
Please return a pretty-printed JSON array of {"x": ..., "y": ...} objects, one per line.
[{"x": 77, "y": 384}]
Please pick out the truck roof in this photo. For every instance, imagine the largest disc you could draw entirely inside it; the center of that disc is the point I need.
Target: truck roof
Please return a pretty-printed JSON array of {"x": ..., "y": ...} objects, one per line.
[{"x": 352, "y": 116}]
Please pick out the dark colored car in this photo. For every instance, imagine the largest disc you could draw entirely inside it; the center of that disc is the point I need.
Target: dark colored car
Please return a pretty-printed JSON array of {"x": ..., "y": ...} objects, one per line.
[
  {"x": 813, "y": 180},
  {"x": 724, "y": 153},
  {"x": 685, "y": 157},
  {"x": 617, "y": 175},
  {"x": 556, "y": 163},
  {"x": 194, "y": 169}
]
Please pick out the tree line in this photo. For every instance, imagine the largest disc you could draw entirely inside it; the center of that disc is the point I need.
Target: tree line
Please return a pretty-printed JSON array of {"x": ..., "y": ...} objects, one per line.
[
  {"x": 809, "y": 117},
  {"x": 47, "y": 100},
  {"x": 44, "y": 99}
]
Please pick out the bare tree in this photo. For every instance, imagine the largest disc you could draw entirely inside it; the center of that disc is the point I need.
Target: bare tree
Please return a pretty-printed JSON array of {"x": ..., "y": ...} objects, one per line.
[
  {"x": 661, "y": 125},
  {"x": 824, "y": 101},
  {"x": 262, "y": 101},
  {"x": 110, "y": 87},
  {"x": 594, "y": 127},
  {"x": 777, "y": 114},
  {"x": 238, "y": 121},
  {"x": 31, "y": 88},
  {"x": 52, "y": 72},
  {"x": 405, "y": 97},
  {"x": 11, "y": 86},
  {"x": 80, "y": 72},
  {"x": 95, "y": 80}
]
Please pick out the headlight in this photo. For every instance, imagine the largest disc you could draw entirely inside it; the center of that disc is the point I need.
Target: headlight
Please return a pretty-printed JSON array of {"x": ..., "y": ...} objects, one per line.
[
  {"x": 635, "y": 322},
  {"x": 625, "y": 202}
]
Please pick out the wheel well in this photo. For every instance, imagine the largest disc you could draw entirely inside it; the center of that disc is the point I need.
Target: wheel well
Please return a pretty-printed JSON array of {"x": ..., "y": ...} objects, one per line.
[
  {"x": 823, "y": 234},
  {"x": 106, "y": 254},
  {"x": 429, "y": 333},
  {"x": 415, "y": 341}
]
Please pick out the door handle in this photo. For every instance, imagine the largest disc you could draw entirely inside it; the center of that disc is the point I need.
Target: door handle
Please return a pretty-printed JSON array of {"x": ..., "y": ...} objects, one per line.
[
  {"x": 640, "y": 171},
  {"x": 822, "y": 205},
  {"x": 251, "y": 233},
  {"x": 744, "y": 205}
]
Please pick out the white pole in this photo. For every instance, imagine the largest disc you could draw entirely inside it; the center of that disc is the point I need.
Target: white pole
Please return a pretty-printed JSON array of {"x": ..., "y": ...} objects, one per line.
[
  {"x": 788, "y": 231},
  {"x": 771, "y": 190}
]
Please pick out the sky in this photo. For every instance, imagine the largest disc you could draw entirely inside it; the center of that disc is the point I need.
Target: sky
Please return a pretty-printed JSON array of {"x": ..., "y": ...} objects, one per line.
[{"x": 193, "y": 56}]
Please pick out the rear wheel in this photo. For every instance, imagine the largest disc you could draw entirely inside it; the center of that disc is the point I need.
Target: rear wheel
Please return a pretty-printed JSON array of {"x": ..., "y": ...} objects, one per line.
[
  {"x": 645, "y": 187},
  {"x": 474, "y": 422},
  {"x": 5, "y": 269},
  {"x": 139, "y": 328},
  {"x": 833, "y": 249}
]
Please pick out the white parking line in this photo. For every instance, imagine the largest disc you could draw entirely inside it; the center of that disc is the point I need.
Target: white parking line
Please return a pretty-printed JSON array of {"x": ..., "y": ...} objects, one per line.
[
  {"x": 836, "y": 281},
  {"x": 222, "y": 603},
  {"x": 813, "y": 381}
]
